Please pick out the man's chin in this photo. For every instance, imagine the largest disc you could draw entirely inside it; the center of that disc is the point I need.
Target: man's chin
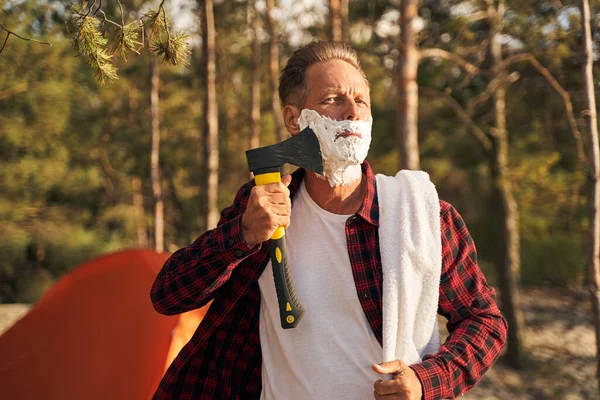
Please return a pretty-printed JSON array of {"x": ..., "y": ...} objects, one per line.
[{"x": 341, "y": 175}]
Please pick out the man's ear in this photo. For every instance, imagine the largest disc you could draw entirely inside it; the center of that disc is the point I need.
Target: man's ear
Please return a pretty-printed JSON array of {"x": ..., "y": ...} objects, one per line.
[{"x": 290, "y": 118}]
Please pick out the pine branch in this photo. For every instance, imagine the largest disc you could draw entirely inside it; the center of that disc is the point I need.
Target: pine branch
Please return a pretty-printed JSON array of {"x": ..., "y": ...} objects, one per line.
[
  {"x": 545, "y": 72},
  {"x": 582, "y": 161},
  {"x": 484, "y": 96},
  {"x": 446, "y": 55},
  {"x": 90, "y": 42},
  {"x": 23, "y": 87},
  {"x": 105, "y": 70},
  {"x": 122, "y": 17},
  {"x": 99, "y": 9},
  {"x": 165, "y": 18},
  {"x": 9, "y": 32},
  {"x": 154, "y": 21},
  {"x": 174, "y": 51},
  {"x": 127, "y": 41},
  {"x": 4, "y": 44},
  {"x": 105, "y": 19},
  {"x": 482, "y": 138},
  {"x": 90, "y": 8},
  {"x": 91, "y": 39}
]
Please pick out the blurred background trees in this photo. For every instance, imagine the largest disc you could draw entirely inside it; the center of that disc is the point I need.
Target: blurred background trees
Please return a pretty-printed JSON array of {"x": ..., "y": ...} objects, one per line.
[{"x": 498, "y": 119}]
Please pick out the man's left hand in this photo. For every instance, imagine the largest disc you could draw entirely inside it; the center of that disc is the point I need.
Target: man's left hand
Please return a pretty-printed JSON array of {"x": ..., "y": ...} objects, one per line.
[{"x": 405, "y": 384}]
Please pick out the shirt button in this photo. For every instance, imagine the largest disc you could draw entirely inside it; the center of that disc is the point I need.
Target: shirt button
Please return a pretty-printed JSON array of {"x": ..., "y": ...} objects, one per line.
[
  {"x": 366, "y": 294},
  {"x": 352, "y": 218},
  {"x": 230, "y": 243},
  {"x": 239, "y": 253}
]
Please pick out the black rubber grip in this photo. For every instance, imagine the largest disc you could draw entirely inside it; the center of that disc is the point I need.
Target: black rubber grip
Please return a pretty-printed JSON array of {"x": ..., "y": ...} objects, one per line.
[{"x": 290, "y": 309}]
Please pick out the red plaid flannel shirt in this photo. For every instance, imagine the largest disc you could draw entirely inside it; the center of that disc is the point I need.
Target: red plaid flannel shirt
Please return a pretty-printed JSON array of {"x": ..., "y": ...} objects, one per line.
[{"x": 223, "y": 358}]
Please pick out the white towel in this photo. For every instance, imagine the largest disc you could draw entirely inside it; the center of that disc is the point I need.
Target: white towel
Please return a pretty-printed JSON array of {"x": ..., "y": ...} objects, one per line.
[{"x": 411, "y": 256}]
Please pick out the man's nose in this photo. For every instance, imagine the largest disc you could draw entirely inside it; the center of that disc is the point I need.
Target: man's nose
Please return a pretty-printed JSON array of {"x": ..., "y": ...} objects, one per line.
[{"x": 352, "y": 111}]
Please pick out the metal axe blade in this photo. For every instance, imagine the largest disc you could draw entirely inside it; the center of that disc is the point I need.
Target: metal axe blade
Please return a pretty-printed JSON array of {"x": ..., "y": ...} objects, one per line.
[{"x": 302, "y": 150}]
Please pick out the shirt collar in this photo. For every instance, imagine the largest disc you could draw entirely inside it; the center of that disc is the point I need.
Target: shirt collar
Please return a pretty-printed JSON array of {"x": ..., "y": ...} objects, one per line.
[{"x": 369, "y": 210}]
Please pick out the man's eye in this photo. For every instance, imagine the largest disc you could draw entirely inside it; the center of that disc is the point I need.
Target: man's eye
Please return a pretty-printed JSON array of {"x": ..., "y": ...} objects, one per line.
[{"x": 330, "y": 99}]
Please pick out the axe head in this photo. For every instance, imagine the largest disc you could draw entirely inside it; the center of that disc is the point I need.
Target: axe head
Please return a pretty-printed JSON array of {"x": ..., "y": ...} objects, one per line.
[{"x": 302, "y": 150}]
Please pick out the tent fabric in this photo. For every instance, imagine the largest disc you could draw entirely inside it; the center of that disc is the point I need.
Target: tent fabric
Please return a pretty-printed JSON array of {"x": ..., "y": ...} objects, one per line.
[{"x": 95, "y": 335}]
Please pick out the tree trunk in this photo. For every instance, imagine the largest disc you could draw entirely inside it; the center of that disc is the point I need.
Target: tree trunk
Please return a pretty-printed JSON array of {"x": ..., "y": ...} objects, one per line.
[
  {"x": 211, "y": 121},
  {"x": 407, "y": 106},
  {"x": 594, "y": 160},
  {"x": 509, "y": 266},
  {"x": 344, "y": 11},
  {"x": 139, "y": 213},
  {"x": 255, "y": 85},
  {"x": 159, "y": 236},
  {"x": 335, "y": 20},
  {"x": 274, "y": 72}
]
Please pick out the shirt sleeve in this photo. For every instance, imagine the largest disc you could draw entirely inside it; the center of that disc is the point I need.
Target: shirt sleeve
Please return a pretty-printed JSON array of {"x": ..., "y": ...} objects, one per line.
[
  {"x": 477, "y": 329},
  {"x": 192, "y": 275}
]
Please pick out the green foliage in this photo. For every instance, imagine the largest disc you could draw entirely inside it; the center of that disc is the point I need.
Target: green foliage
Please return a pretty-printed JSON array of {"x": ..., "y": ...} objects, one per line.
[
  {"x": 155, "y": 21},
  {"x": 558, "y": 260},
  {"x": 553, "y": 232},
  {"x": 66, "y": 245},
  {"x": 175, "y": 50},
  {"x": 89, "y": 41},
  {"x": 127, "y": 40}
]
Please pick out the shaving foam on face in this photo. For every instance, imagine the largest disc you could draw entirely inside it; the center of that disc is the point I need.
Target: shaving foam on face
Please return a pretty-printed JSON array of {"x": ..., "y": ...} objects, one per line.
[{"x": 342, "y": 156}]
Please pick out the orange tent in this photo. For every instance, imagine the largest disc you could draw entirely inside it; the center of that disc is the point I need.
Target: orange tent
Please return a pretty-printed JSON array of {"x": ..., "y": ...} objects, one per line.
[{"x": 95, "y": 335}]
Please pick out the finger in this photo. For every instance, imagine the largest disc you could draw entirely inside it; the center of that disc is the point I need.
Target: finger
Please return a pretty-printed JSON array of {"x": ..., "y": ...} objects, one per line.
[
  {"x": 282, "y": 210},
  {"x": 389, "y": 367},
  {"x": 389, "y": 387},
  {"x": 267, "y": 200},
  {"x": 286, "y": 180},
  {"x": 279, "y": 198},
  {"x": 276, "y": 187},
  {"x": 255, "y": 192},
  {"x": 283, "y": 221},
  {"x": 279, "y": 220}
]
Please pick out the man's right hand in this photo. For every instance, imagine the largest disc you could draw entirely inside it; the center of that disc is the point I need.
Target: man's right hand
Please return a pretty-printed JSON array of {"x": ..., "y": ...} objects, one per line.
[{"x": 269, "y": 207}]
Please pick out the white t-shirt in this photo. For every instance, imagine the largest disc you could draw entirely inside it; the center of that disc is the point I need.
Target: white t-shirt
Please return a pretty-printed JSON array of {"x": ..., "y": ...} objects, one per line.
[{"x": 330, "y": 352}]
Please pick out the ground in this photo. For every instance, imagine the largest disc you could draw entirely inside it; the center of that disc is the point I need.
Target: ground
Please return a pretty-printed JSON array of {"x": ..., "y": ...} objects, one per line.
[
  {"x": 561, "y": 347},
  {"x": 560, "y": 344}
]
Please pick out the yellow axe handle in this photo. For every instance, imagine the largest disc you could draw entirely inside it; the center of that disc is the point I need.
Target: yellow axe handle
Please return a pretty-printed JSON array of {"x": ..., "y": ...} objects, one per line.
[
  {"x": 290, "y": 309},
  {"x": 263, "y": 179}
]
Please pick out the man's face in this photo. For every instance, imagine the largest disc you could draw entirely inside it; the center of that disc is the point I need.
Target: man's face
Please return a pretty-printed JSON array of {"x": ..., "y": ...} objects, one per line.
[
  {"x": 337, "y": 109},
  {"x": 337, "y": 90}
]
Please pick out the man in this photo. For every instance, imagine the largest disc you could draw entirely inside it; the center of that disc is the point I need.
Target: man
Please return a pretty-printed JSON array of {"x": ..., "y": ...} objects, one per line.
[{"x": 337, "y": 257}]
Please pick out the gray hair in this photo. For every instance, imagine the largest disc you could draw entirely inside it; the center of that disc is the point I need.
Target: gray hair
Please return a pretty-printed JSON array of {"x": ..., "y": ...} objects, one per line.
[{"x": 293, "y": 76}]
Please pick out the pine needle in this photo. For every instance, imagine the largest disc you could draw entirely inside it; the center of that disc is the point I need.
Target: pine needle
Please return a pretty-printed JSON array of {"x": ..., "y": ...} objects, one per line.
[
  {"x": 127, "y": 40},
  {"x": 90, "y": 42},
  {"x": 90, "y": 39},
  {"x": 175, "y": 51},
  {"x": 154, "y": 22}
]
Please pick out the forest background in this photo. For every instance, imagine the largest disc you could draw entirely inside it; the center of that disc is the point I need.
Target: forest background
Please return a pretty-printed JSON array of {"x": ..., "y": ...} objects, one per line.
[{"x": 78, "y": 157}]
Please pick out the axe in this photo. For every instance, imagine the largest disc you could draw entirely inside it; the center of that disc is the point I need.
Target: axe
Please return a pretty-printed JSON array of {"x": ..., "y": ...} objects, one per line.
[{"x": 302, "y": 150}]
